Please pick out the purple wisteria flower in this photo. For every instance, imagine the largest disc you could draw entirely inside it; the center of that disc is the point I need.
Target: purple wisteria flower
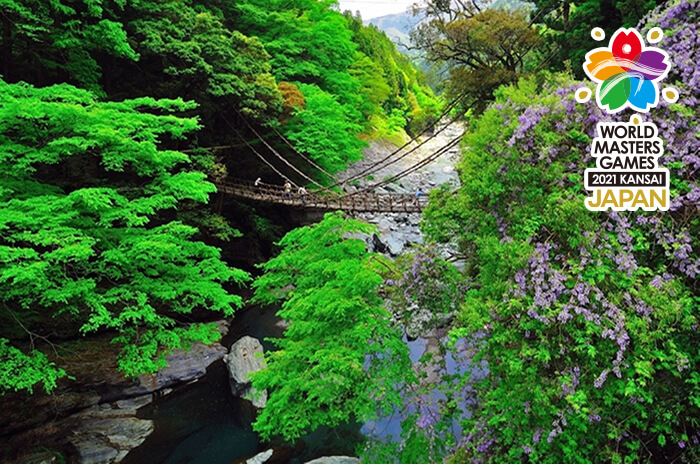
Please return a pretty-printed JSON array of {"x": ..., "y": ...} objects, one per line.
[{"x": 601, "y": 379}]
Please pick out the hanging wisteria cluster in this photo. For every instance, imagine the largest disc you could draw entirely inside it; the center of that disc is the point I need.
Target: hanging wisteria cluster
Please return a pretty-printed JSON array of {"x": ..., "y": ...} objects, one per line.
[
  {"x": 590, "y": 319},
  {"x": 426, "y": 294}
]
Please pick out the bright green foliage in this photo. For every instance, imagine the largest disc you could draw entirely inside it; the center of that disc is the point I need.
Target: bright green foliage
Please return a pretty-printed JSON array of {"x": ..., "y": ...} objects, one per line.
[
  {"x": 21, "y": 371},
  {"x": 339, "y": 358},
  {"x": 187, "y": 50},
  {"x": 227, "y": 56},
  {"x": 308, "y": 41},
  {"x": 390, "y": 82},
  {"x": 89, "y": 221},
  {"x": 374, "y": 89},
  {"x": 323, "y": 130},
  {"x": 311, "y": 47}
]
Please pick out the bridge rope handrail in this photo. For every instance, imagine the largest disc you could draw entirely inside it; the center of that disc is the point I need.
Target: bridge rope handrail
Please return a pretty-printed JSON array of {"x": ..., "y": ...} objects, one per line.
[
  {"x": 274, "y": 152},
  {"x": 256, "y": 152},
  {"x": 379, "y": 202},
  {"x": 414, "y": 167}
]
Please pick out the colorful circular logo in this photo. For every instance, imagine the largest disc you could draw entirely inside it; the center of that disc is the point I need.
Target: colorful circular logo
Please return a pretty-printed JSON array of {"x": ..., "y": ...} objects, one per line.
[{"x": 627, "y": 71}]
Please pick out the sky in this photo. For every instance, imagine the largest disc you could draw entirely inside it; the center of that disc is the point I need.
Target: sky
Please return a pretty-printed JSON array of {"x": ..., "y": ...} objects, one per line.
[{"x": 371, "y": 9}]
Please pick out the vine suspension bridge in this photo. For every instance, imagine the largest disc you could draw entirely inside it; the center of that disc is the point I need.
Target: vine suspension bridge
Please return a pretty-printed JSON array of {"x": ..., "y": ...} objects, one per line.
[
  {"x": 335, "y": 196},
  {"x": 374, "y": 202}
]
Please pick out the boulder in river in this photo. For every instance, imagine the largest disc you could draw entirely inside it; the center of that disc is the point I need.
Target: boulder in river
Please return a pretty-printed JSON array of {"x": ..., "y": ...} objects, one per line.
[
  {"x": 245, "y": 358},
  {"x": 395, "y": 244},
  {"x": 260, "y": 458},
  {"x": 274, "y": 455}
]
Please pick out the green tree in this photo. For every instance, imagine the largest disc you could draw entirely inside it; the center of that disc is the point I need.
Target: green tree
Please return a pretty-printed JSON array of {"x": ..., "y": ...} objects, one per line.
[
  {"x": 89, "y": 203},
  {"x": 407, "y": 90},
  {"x": 483, "y": 47},
  {"x": 187, "y": 51},
  {"x": 309, "y": 42},
  {"x": 339, "y": 358},
  {"x": 324, "y": 131},
  {"x": 374, "y": 88}
]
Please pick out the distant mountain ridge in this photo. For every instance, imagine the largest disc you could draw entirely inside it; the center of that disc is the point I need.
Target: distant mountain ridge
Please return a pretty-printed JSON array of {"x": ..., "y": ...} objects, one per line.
[{"x": 397, "y": 27}]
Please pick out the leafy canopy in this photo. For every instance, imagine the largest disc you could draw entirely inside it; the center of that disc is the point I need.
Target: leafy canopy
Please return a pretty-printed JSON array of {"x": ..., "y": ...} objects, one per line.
[
  {"x": 339, "y": 358},
  {"x": 88, "y": 214}
]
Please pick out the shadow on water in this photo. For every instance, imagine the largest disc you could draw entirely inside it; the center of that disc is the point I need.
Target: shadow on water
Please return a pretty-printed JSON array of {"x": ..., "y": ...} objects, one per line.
[{"x": 204, "y": 423}]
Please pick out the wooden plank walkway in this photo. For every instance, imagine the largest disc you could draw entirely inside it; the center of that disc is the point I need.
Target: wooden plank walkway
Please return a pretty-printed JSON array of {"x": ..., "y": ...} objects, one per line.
[{"x": 327, "y": 201}]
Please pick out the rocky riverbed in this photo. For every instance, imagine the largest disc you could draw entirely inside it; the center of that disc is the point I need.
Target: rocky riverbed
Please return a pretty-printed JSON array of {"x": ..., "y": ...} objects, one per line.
[{"x": 399, "y": 230}]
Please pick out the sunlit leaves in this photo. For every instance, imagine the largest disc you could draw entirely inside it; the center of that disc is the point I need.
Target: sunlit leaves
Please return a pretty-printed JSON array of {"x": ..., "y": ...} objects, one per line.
[
  {"x": 22, "y": 371},
  {"x": 191, "y": 51},
  {"x": 322, "y": 129},
  {"x": 339, "y": 358},
  {"x": 84, "y": 214}
]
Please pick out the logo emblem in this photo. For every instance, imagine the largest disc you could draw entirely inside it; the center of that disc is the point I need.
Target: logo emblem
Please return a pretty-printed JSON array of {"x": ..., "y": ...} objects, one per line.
[
  {"x": 627, "y": 71},
  {"x": 627, "y": 176}
]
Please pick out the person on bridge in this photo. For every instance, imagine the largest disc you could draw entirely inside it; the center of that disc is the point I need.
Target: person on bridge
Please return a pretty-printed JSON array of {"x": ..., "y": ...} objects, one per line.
[
  {"x": 287, "y": 190},
  {"x": 257, "y": 182},
  {"x": 302, "y": 194},
  {"x": 419, "y": 193}
]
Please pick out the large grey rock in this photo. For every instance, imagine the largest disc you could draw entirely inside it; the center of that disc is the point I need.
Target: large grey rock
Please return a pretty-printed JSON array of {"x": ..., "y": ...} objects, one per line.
[
  {"x": 395, "y": 244},
  {"x": 335, "y": 460},
  {"x": 107, "y": 432},
  {"x": 245, "y": 358}
]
